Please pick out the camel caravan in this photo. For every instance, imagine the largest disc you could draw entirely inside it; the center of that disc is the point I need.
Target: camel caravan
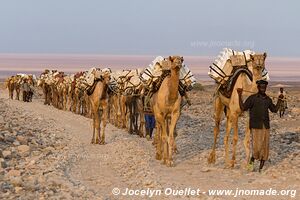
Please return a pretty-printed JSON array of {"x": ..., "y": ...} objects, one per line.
[
  {"x": 120, "y": 98},
  {"x": 123, "y": 98},
  {"x": 24, "y": 83}
]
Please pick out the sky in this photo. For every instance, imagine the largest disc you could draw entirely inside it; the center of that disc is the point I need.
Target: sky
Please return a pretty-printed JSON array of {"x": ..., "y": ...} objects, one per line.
[{"x": 140, "y": 27}]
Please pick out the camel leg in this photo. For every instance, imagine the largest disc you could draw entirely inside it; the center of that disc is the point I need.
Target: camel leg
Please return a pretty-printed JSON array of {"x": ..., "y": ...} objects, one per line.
[
  {"x": 49, "y": 97},
  {"x": 10, "y": 94},
  {"x": 175, "y": 150},
  {"x": 226, "y": 138},
  {"x": 65, "y": 102},
  {"x": 235, "y": 138},
  {"x": 135, "y": 113},
  {"x": 123, "y": 107},
  {"x": 142, "y": 125},
  {"x": 94, "y": 137},
  {"x": 104, "y": 120},
  {"x": 171, "y": 140},
  {"x": 98, "y": 123},
  {"x": 158, "y": 142},
  {"x": 77, "y": 107},
  {"x": 130, "y": 118},
  {"x": 164, "y": 139},
  {"x": 247, "y": 144},
  {"x": 18, "y": 94},
  {"x": 219, "y": 107},
  {"x": 46, "y": 96},
  {"x": 74, "y": 104}
]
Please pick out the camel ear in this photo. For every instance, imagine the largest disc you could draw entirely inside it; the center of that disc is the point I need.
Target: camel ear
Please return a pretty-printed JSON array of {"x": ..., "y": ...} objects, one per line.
[
  {"x": 171, "y": 58},
  {"x": 265, "y": 55}
]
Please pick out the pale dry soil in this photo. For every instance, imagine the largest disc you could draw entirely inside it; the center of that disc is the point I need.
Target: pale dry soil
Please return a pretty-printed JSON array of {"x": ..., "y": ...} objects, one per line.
[{"x": 76, "y": 169}]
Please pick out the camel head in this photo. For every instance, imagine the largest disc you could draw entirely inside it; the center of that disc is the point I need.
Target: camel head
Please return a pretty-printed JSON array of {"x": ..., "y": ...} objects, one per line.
[
  {"x": 47, "y": 71},
  {"x": 176, "y": 62},
  {"x": 258, "y": 63},
  {"x": 40, "y": 82},
  {"x": 106, "y": 78}
]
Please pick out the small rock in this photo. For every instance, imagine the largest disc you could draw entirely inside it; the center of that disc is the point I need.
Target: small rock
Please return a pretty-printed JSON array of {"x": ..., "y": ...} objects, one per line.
[
  {"x": 16, "y": 143},
  {"x": 5, "y": 187},
  {"x": 23, "y": 150},
  {"x": 14, "y": 172},
  {"x": 18, "y": 189},
  {"x": 205, "y": 169},
  {"x": 21, "y": 139},
  {"x": 296, "y": 110},
  {"x": 9, "y": 139},
  {"x": 49, "y": 149},
  {"x": 6, "y": 154},
  {"x": 16, "y": 181},
  {"x": 4, "y": 164}
]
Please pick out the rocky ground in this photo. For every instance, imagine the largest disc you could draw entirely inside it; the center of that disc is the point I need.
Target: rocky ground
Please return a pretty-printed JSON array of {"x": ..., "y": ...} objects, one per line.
[{"x": 46, "y": 154}]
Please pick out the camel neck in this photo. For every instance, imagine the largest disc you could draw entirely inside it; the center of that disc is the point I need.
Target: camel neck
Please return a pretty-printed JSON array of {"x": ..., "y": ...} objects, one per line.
[
  {"x": 104, "y": 92},
  {"x": 173, "y": 84},
  {"x": 256, "y": 76}
]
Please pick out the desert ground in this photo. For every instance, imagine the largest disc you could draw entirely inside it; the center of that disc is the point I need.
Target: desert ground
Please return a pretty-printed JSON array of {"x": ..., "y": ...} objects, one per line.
[{"x": 46, "y": 154}]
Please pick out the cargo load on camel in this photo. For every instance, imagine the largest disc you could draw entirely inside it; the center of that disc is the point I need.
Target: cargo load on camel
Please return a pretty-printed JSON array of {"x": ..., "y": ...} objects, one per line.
[
  {"x": 227, "y": 67},
  {"x": 154, "y": 74}
]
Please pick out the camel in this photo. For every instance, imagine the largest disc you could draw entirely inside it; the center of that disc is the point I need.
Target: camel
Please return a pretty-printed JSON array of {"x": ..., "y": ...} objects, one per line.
[
  {"x": 65, "y": 91},
  {"x": 9, "y": 83},
  {"x": 131, "y": 94},
  {"x": 86, "y": 111},
  {"x": 46, "y": 91},
  {"x": 75, "y": 92},
  {"x": 166, "y": 108},
  {"x": 99, "y": 106},
  {"x": 32, "y": 83},
  {"x": 119, "y": 99},
  {"x": 45, "y": 86},
  {"x": 113, "y": 108},
  {"x": 256, "y": 65},
  {"x": 135, "y": 113},
  {"x": 17, "y": 86}
]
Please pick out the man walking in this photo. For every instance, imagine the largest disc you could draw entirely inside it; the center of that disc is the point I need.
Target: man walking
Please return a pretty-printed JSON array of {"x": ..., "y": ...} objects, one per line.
[{"x": 259, "y": 105}]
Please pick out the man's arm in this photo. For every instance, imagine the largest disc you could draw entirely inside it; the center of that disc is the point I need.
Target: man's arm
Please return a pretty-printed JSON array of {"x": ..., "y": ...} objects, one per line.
[
  {"x": 248, "y": 103},
  {"x": 274, "y": 108}
]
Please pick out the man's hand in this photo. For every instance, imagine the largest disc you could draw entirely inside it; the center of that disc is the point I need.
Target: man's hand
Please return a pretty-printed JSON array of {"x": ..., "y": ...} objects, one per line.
[
  {"x": 239, "y": 91},
  {"x": 281, "y": 96}
]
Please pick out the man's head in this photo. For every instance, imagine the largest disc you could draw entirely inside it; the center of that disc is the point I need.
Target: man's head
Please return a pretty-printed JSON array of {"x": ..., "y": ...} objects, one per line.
[
  {"x": 281, "y": 89},
  {"x": 262, "y": 86}
]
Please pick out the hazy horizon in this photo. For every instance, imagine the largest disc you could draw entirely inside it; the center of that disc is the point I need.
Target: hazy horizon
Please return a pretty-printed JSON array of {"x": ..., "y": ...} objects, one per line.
[
  {"x": 74, "y": 35},
  {"x": 280, "y": 69}
]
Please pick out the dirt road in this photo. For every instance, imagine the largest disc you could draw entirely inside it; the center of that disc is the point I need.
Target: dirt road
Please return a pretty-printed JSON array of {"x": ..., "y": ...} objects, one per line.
[{"x": 66, "y": 166}]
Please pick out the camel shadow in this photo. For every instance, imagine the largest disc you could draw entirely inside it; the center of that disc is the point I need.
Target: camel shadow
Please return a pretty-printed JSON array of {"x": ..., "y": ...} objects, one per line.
[
  {"x": 282, "y": 146},
  {"x": 195, "y": 139}
]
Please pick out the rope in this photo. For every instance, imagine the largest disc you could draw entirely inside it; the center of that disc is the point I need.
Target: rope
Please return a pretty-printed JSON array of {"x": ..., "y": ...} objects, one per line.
[{"x": 267, "y": 94}]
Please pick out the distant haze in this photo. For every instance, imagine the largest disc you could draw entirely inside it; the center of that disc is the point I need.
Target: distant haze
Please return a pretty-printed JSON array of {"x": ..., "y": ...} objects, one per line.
[{"x": 280, "y": 69}]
